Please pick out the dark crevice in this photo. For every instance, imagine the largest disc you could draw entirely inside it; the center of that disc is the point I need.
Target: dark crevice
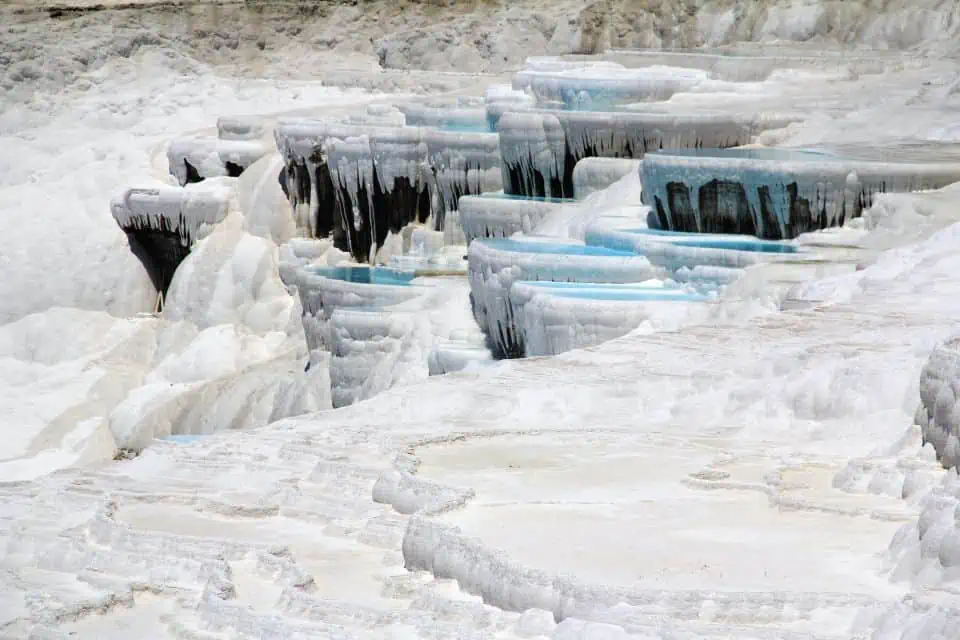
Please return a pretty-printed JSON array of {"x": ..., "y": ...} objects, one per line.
[
  {"x": 282, "y": 179},
  {"x": 457, "y": 189},
  {"x": 193, "y": 176},
  {"x": 327, "y": 214},
  {"x": 233, "y": 169}
]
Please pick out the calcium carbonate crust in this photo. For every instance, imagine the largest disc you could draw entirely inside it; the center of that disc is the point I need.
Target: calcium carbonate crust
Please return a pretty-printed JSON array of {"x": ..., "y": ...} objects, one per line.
[
  {"x": 194, "y": 159},
  {"x": 774, "y": 198},
  {"x": 492, "y": 217},
  {"x": 492, "y": 272},
  {"x": 541, "y": 148},
  {"x": 596, "y": 174},
  {"x": 551, "y": 325},
  {"x": 939, "y": 410}
]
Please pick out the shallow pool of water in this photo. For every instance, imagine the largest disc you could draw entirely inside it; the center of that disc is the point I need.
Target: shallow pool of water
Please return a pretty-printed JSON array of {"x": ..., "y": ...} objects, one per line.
[
  {"x": 701, "y": 240},
  {"x": 627, "y": 293},
  {"x": 505, "y": 196},
  {"x": 366, "y": 275},
  {"x": 750, "y": 153},
  {"x": 466, "y": 127},
  {"x": 558, "y": 248}
]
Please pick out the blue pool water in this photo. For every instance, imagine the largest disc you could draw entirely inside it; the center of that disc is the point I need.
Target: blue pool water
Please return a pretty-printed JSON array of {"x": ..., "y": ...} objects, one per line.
[
  {"x": 756, "y": 246},
  {"x": 503, "y": 196},
  {"x": 551, "y": 284},
  {"x": 625, "y": 293},
  {"x": 466, "y": 127},
  {"x": 750, "y": 153},
  {"x": 366, "y": 275},
  {"x": 703, "y": 241},
  {"x": 558, "y": 248}
]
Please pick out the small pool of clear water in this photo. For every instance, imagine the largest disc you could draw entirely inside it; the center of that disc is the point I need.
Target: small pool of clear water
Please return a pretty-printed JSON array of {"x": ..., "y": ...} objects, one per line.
[
  {"x": 366, "y": 275},
  {"x": 557, "y": 248},
  {"x": 701, "y": 240},
  {"x": 466, "y": 127},
  {"x": 754, "y": 246},
  {"x": 626, "y": 293},
  {"x": 506, "y": 196},
  {"x": 647, "y": 285},
  {"x": 750, "y": 153}
]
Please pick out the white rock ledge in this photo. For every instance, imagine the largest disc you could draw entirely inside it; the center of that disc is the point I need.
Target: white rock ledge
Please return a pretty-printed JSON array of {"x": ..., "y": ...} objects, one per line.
[
  {"x": 196, "y": 159},
  {"x": 162, "y": 223},
  {"x": 501, "y": 217},
  {"x": 773, "y": 193}
]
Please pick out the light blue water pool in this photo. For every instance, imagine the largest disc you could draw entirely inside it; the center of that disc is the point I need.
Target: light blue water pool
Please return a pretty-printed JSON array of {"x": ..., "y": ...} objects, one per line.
[
  {"x": 553, "y": 248},
  {"x": 504, "y": 196},
  {"x": 466, "y": 127},
  {"x": 366, "y": 275},
  {"x": 688, "y": 239},
  {"x": 550, "y": 284},
  {"x": 624, "y": 293},
  {"x": 750, "y": 153}
]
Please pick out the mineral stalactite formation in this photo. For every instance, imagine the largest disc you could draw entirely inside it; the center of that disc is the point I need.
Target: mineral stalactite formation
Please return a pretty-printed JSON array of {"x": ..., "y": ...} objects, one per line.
[
  {"x": 162, "y": 224},
  {"x": 460, "y": 164},
  {"x": 496, "y": 263},
  {"x": 774, "y": 194},
  {"x": 541, "y": 148},
  {"x": 381, "y": 187},
  {"x": 356, "y": 183}
]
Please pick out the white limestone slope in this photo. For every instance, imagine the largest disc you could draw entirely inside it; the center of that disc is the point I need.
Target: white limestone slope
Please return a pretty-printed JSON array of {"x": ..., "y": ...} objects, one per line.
[
  {"x": 736, "y": 479},
  {"x": 815, "y": 466},
  {"x": 227, "y": 352}
]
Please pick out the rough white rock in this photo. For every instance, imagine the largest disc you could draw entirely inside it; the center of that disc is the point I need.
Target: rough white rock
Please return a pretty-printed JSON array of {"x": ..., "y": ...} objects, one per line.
[
  {"x": 596, "y": 174},
  {"x": 195, "y": 159}
]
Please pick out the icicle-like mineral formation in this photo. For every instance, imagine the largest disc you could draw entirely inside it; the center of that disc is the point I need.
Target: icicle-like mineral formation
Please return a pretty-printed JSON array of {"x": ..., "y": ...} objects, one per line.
[
  {"x": 491, "y": 216},
  {"x": 195, "y": 159},
  {"x": 495, "y": 264},
  {"x": 773, "y": 193},
  {"x": 532, "y": 148},
  {"x": 321, "y": 295},
  {"x": 536, "y": 66},
  {"x": 163, "y": 223},
  {"x": 596, "y": 86},
  {"x": 460, "y": 164},
  {"x": 541, "y": 148},
  {"x": 307, "y": 179},
  {"x": 380, "y": 186},
  {"x": 554, "y": 317}
]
